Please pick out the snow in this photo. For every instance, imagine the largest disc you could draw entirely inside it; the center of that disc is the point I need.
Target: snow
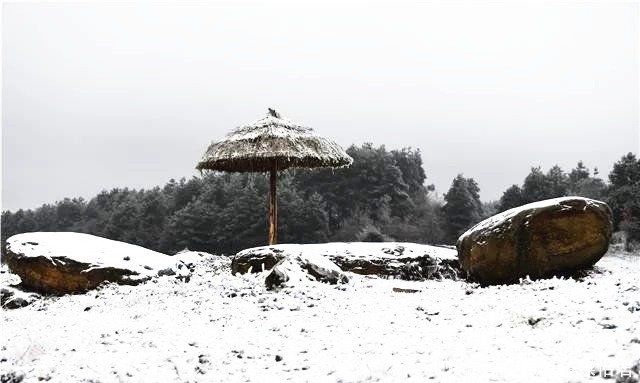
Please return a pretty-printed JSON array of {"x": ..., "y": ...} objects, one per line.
[
  {"x": 220, "y": 327},
  {"x": 491, "y": 222},
  {"x": 189, "y": 257},
  {"x": 271, "y": 127},
  {"x": 95, "y": 251}
]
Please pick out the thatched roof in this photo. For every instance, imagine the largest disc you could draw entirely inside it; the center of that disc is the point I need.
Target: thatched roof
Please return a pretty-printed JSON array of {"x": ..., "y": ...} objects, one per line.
[{"x": 256, "y": 146}]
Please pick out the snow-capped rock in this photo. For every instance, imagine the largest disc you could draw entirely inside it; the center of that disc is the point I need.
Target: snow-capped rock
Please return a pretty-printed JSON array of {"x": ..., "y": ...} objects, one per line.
[
  {"x": 256, "y": 259},
  {"x": 538, "y": 239},
  {"x": 304, "y": 267},
  {"x": 389, "y": 259},
  {"x": 65, "y": 262},
  {"x": 13, "y": 298}
]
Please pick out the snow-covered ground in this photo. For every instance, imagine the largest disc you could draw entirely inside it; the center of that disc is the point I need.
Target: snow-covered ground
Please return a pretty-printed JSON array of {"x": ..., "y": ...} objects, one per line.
[{"x": 220, "y": 327}]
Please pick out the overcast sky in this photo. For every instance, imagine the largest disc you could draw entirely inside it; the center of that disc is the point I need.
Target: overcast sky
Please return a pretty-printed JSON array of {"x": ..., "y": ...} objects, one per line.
[{"x": 97, "y": 96}]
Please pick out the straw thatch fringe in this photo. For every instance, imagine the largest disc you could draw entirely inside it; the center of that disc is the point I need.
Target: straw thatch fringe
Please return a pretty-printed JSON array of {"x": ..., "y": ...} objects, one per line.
[{"x": 272, "y": 140}]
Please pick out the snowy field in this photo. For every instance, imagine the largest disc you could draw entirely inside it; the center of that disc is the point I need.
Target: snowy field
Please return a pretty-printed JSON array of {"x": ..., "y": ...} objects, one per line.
[{"x": 218, "y": 327}]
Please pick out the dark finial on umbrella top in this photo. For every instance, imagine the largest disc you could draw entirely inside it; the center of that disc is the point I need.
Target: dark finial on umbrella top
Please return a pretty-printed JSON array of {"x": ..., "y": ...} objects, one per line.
[{"x": 273, "y": 113}]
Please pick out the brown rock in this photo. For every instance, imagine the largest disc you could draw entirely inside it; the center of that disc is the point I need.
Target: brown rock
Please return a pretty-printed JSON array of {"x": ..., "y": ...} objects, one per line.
[
  {"x": 539, "y": 240},
  {"x": 61, "y": 263},
  {"x": 54, "y": 277}
]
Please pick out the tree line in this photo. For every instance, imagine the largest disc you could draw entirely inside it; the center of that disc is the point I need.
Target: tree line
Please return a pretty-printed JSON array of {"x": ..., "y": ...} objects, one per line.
[
  {"x": 622, "y": 193},
  {"x": 381, "y": 197}
]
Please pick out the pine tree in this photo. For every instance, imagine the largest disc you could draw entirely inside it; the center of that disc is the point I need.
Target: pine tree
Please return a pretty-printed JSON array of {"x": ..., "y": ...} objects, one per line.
[
  {"x": 196, "y": 226},
  {"x": 300, "y": 220},
  {"x": 8, "y": 226},
  {"x": 185, "y": 192},
  {"x": 591, "y": 187},
  {"x": 512, "y": 197},
  {"x": 624, "y": 194},
  {"x": 625, "y": 172},
  {"x": 124, "y": 220},
  {"x": 582, "y": 184},
  {"x": 70, "y": 213},
  {"x": 557, "y": 182},
  {"x": 46, "y": 218},
  {"x": 630, "y": 219},
  {"x": 151, "y": 219},
  {"x": 380, "y": 182},
  {"x": 463, "y": 207},
  {"x": 536, "y": 186},
  {"x": 579, "y": 173}
]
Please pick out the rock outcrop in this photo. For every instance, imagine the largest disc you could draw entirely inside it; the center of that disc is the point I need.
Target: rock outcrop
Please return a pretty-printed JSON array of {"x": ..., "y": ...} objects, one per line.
[
  {"x": 540, "y": 239},
  {"x": 60, "y": 263},
  {"x": 389, "y": 259}
]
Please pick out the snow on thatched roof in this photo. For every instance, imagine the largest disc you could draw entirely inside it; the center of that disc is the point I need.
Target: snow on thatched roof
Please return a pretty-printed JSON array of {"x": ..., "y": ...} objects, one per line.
[{"x": 257, "y": 146}]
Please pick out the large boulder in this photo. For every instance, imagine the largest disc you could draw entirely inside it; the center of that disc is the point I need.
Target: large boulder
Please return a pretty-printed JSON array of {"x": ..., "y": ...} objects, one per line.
[
  {"x": 60, "y": 263},
  {"x": 388, "y": 259},
  {"x": 539, "y": 239}
]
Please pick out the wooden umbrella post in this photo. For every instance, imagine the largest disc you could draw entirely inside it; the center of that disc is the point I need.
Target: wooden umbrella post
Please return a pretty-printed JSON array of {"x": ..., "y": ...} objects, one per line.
[{"x": 273, "y": 207}]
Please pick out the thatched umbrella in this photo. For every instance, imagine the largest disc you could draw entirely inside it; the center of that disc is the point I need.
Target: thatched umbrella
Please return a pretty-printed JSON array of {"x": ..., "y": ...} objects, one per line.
[{"x": 270, "y": 144}]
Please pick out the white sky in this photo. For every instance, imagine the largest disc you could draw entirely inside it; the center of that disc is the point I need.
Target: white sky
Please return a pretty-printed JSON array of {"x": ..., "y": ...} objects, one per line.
[{"x": 97, "y": 96}]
